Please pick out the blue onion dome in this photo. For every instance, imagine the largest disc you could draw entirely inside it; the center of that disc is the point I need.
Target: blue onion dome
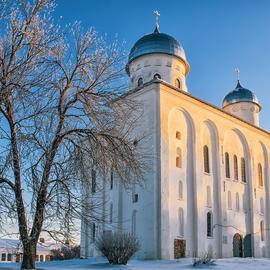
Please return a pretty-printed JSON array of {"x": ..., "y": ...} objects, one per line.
[
  {"x": 240, "y": 94},
  {"x": 157, "y": 43}
]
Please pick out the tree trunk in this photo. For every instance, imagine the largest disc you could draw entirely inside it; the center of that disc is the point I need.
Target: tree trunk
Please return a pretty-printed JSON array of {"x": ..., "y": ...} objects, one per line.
[{"x": 29, "y": 256}]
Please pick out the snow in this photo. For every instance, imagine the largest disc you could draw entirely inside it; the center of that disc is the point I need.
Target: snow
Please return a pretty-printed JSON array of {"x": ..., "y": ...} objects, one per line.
[{"x": 183, "y": 264}]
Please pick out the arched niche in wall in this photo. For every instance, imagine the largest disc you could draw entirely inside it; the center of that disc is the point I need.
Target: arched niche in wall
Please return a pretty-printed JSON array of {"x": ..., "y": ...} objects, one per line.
[
  {"x": 210, "y": 136},
  {"x": 179, "y": 120}
]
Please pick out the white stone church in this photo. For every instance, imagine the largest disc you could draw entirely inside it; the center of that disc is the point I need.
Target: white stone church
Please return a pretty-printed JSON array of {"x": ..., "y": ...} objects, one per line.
[{"x": 208, "y": 189}]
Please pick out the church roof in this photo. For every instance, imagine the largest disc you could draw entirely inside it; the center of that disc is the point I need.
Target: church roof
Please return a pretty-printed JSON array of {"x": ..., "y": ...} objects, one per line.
[
  {"x": 157, "y": 43},
  {"x": 240, "y": 94}
]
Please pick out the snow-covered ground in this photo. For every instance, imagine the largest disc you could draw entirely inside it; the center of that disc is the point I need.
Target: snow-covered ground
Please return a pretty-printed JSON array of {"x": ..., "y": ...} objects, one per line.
[{"x": 184, "y": 264}]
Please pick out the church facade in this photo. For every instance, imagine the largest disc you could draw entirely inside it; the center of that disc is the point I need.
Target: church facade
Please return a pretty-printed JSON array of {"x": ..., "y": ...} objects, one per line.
[{"x": 208, "y": 186}]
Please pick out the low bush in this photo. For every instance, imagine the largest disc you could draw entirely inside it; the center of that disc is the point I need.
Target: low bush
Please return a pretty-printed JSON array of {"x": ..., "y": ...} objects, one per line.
[
  {"x": 205, "y": 259},
  {"x": 118, "y": 247}
]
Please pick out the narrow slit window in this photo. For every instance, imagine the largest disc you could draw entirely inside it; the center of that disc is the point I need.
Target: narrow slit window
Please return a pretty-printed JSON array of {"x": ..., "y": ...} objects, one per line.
[
  {"x": 206, "y": 159},
  {"x": 260, "y": 175},
  {"x": 94, "y": 181},
  {"x": 227, "y": 165},
  {"x": 243, "y": 170},
  {"x": 262, "y": 230},
  {"x": 235, "y": 167},
  {"x": 209, "y": 224},
  {"x": 178, "y": 84},
  {"x": 140, "y": 81},
  {"x": 178, "y": 157},
  {"x": 180, "y": 190}
]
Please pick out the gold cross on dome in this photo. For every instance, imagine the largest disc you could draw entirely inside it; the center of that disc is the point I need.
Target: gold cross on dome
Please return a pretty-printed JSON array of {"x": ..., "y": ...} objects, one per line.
[
  {"x": 157, "y": 14},
  {"x": 237, "y": 70}
]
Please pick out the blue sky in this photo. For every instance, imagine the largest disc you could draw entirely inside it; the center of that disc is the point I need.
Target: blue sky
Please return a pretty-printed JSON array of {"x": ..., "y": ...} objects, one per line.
[{"x": 217, "y": 35}]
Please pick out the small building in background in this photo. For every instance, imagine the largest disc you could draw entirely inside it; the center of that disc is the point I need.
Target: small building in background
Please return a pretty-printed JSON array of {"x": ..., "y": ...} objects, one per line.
[{"x": 11, "y": 250}]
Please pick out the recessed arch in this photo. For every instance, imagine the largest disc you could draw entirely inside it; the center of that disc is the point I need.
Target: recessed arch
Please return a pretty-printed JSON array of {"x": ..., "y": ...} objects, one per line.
[
  {"x": 214, "y": 153},
  {"x": 180, "y": 119},
  {"x": 245, "y": 159},
  {"x": 266, "y": 195}
]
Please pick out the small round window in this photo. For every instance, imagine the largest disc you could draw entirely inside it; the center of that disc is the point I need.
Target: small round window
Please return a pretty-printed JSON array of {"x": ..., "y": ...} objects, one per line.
[
  {"x": 140, "y": 82},
  {"x": 157, "y": 76}
]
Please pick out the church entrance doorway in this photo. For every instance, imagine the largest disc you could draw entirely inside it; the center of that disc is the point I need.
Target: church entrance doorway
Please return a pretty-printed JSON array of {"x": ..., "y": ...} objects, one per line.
[
  {"x": 237, "y": 245},
  {"x": 247, "y": 246},
  {"x": 179, "y": 248}
]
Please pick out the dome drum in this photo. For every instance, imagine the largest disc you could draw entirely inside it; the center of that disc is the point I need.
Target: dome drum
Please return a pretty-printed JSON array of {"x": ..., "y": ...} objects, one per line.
[
  {"x": 242, "y": 103},
  {"x": 240, "y": 94},
  {"x": 157, "y": 43}
]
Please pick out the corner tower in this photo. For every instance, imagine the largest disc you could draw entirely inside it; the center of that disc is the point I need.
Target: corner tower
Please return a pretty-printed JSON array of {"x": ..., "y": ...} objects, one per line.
[
  {"x": 243, "y": 103},
  {"x": 159, "y": 56}
]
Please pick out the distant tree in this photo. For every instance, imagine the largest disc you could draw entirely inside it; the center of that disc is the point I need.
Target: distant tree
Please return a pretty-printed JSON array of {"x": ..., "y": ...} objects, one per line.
[
  {"x": 66, "y": 253},
  {"x": 60, "y": 103}
]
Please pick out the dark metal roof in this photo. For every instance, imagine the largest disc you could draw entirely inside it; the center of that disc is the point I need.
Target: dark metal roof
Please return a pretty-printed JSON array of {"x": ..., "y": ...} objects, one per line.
[
  {"x": 240, "y": 94},
  {"x": 157, "y": 43}
]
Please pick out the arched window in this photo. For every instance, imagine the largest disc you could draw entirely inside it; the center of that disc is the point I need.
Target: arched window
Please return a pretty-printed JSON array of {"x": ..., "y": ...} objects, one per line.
[
  {"x": 178, "y": 157},
  {"x": 243, "y": 170},
  {"x": 260, "y": 175},
  {"x": 180, "y": 190},
  {"x": 227, "y": 165},
  {"x": 209, "y": 224},
  {"x": 157, "y": 76},
  {"x": 178, "y": 83},
  {"x": 111, "y": 178},
  {"x": 111, "y": 213},
  {"x": 94, "y": 181},
  {"x": 206, "y": 159},
  {"x": 133, "y": 222},
  {"x": 140, "y": 81},
  {"x": 262, "y": 230},
  {"x": 229, "y": 200},
  {"x": 178, "y": 135},
  {"x": 181, "y": 221},
  {"x": 93, "y": 232},
  {"x": 235, "y": 167},
  {"x": 208, "y": 197},
  {"x": 261, "y": 206},
  {"x": 237, "y": 203}
]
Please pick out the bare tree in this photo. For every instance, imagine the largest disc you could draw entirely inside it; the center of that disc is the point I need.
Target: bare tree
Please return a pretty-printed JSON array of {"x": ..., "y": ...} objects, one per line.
[{"x": 61, "y": 101}]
